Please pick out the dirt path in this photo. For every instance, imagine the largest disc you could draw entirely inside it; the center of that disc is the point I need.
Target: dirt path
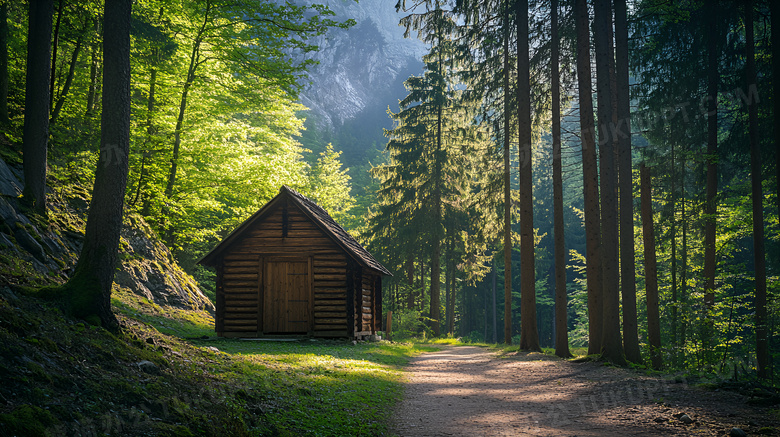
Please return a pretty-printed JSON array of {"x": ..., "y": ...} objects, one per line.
[{"x": 468, "y": 391}]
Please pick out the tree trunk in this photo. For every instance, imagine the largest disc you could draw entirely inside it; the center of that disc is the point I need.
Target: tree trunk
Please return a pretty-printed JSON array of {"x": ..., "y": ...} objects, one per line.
[
  {"x": 611, "y": 342},
  {"x": 589, "y": 178},
  {"x": 683, "y": 262},
  {"x": 447, "y": 289},
  {"x": 507, "y": 189},
  {"x": 774, "y": 8},
  {"x": 529, "y": 334},
  {"x": 94, "y": 72},
  {"x": 651, "y": 269},
  {"x": 410, "y": 281},
  {"x": 673, "y": 232},
  {"x": 625, "y": 180},
  {"x": 437, "y": 220},
  {"x": 4, "y": 64},
  {"x": 91, "y": 282},
  {"x": 68, "y": 80},
  {"x": 194, "y": 63},
  {"x": 451, "y": 322},
  {"x": 710, "y": 204},
  {"x": 495, "y": 303},
  {"x": 436, "y": 269},
  {"x": 149, "y": 141},
  {"x": 762, "y": 346},
  {"x": 422, "y": 286},
  {"x": 55, "y": 45},
  {"x": 561, "y": 313},
  {"x": 36, "y": 104}
]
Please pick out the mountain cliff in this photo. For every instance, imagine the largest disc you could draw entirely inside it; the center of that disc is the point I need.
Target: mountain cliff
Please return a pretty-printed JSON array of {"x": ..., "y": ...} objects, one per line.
[{"x": 360, "y": 73}]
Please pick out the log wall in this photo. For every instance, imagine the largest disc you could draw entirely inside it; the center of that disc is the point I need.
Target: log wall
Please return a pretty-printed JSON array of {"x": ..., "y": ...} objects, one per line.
[
  {"x": 285, "y": 232},
  {"x": 366, "y": 303}
]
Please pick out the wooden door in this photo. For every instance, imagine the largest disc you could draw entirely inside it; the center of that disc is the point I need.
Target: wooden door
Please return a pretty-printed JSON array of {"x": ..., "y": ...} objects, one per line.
[{"x": 286, "y": 297}]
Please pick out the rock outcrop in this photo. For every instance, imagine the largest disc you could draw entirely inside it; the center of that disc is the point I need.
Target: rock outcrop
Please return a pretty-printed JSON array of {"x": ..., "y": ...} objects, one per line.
[
  {"x": 361, "y": 68},
  {"x": 35, "y": 253}
]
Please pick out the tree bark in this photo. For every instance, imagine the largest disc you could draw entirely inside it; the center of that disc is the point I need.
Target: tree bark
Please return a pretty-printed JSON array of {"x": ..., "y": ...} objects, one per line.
[
  {"x": 55, "y": 45},
  {"x": 437, "y": 214},
  {"x": 561, "y": 305},
  {"x": 651, "y": 269},
  {"x": 449, "y": 285},
  {"x": 710, "y": 204},
  {"x": 507, "y": 189},
  {"x": 90, "y": 285},
  {"x": 673, "y": 261},
  {"x": 495, "y": 303},
  {"x": 529, "y": 335},
  {"x": 611, "y": 342},
  {"x": 589, "y": 178},
  {"x": 4, "y": 120},
  {"x": 774, "y": 14},
  {"x": 625, "y": 180},
  {"x": 436, "y": 241},
  {"x": 762, "y": 344},
  {"x": 36, "y": 104},
  {"x": 683, "y": 262},
  {"x": 94, "y": 72},
  {"x": 451, "y": 321},
  {"x": 410, "y": 281}
]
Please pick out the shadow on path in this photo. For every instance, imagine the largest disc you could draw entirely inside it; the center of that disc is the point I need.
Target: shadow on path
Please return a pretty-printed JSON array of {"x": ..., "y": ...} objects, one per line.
[{"x": 468, "y": 391}]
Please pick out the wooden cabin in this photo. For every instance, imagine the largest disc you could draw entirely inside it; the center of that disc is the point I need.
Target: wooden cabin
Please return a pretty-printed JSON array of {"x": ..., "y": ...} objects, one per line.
[{"x": 290, "y": 269}]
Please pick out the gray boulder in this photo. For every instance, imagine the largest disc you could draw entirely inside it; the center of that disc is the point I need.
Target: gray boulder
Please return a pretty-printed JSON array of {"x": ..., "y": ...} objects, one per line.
[{"x": 9, "y": 184}]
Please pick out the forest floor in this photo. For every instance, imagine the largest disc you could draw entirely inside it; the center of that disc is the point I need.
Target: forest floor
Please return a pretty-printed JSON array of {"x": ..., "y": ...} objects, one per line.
[{"x": 472, "y": 391}]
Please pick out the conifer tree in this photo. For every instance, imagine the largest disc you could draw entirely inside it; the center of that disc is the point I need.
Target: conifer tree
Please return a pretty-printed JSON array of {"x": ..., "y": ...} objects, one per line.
[
  {"x": 625, "y": 181},
  {"x": 487, "y": 33},
  {"x": 590, "y": 178},
  {"x": 561, "y": 310},
  {"x": 757, "y": 196},
  {"x": 529, "y": 336},
  {"x": 611, "y": 343}
]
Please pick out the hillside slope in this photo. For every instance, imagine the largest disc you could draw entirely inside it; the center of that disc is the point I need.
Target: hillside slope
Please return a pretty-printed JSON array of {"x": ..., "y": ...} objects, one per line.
[
  {"x": 36, "y": 253},
  {"x": 163, "y": 373}
]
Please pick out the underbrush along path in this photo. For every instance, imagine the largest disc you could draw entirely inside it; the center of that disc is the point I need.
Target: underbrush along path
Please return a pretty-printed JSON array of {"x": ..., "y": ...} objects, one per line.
[{"x": 471, "y": 391}]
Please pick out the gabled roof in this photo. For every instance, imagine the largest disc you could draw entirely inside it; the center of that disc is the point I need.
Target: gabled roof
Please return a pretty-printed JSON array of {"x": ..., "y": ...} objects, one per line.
[{"x": 318, "y": 216}]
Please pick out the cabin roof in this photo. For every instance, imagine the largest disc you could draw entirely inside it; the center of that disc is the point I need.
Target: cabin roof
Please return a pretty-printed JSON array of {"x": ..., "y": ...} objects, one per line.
[{"x": 316, "y": 214}]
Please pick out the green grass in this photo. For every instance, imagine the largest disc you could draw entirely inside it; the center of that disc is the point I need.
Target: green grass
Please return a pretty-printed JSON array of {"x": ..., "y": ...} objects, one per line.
[
  {"x": 501, "y": 348},
  {"x": 322, "y": 388},
  {"x": 185, "y": 324},
  {"x": 79, "y": 378}
]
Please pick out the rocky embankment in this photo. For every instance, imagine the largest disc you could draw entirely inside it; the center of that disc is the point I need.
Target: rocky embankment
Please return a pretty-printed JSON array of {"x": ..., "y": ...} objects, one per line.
[{"x": 37, "y": 252}]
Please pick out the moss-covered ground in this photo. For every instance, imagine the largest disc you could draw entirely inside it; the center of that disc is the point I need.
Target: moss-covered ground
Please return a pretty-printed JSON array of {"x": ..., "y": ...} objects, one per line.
[{"x": 165, "y": 374}]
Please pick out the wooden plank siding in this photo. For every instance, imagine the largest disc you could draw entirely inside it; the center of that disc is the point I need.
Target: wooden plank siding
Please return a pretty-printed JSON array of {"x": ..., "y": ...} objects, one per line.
[
  {"x": 291, "y": 269},
  {"x": 366, "y": 303},
  {"x": 240, "y": 284},
  {"x": 377, "y": 303},
  {"x": 242, "y": 281}
]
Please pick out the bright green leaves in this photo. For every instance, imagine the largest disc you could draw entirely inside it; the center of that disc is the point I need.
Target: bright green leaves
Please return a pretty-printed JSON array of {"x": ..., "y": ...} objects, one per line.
[{"x": 329, "y": 185}]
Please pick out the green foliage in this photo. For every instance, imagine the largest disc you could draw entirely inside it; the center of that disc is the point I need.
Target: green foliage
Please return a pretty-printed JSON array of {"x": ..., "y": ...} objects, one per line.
[
  {"x": 329, "y": 186},
  {"x": 213, "y": 98},
  {"x": 671, "y": 96},
  {"x": 409, "y": 324}
]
